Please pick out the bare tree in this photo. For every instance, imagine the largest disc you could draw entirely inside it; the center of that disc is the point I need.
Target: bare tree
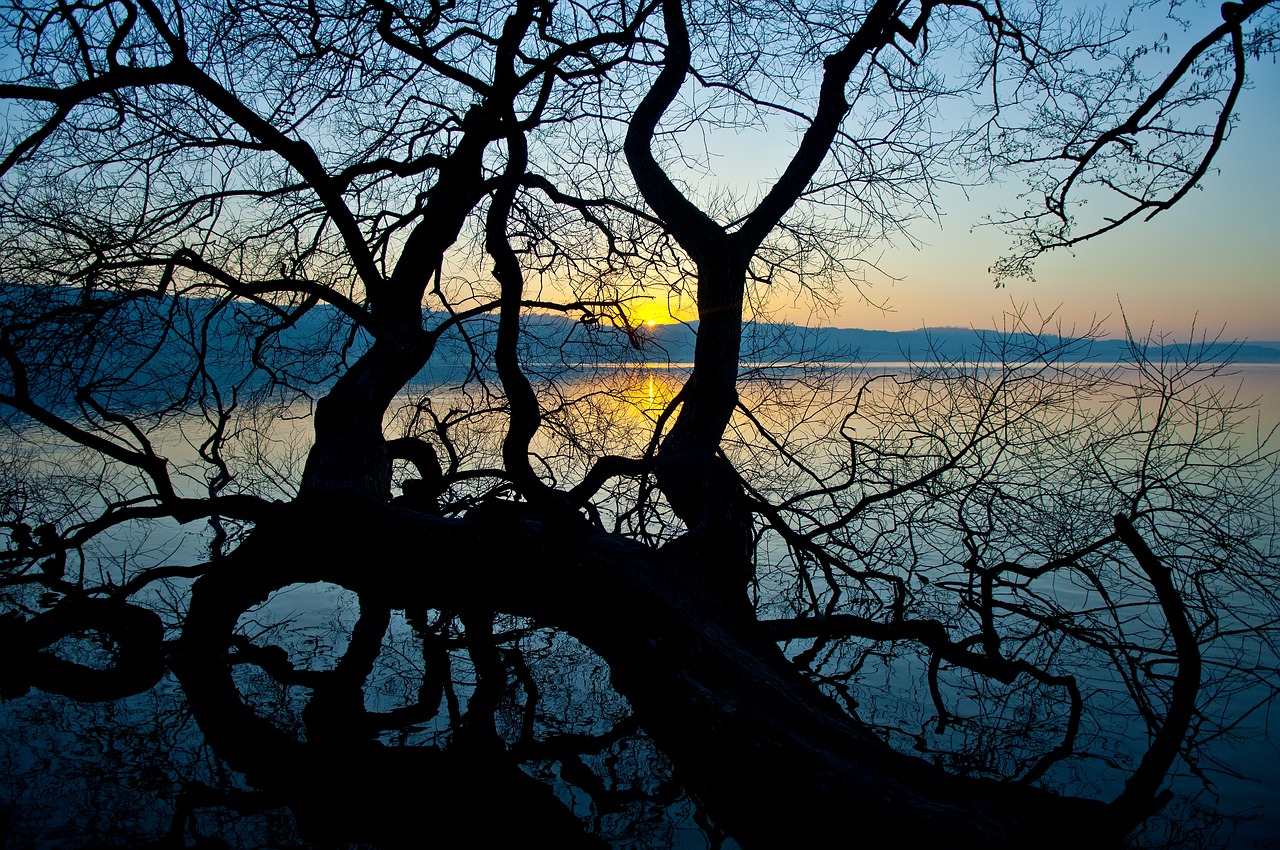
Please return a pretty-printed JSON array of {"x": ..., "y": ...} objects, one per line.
[{"x": 239, "y": 237}]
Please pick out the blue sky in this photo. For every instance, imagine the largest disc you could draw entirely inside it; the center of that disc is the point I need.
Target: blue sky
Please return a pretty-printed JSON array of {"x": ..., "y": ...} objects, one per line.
[{"x": 1213, "y": 260}]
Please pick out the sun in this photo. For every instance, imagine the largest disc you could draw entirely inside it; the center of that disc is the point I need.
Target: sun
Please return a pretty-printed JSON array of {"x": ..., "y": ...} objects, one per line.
[{"x": 652, "y": 312}]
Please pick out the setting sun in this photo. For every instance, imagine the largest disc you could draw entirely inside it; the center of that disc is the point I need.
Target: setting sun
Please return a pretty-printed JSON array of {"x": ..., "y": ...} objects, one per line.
[{"x": 653, "y": 311}]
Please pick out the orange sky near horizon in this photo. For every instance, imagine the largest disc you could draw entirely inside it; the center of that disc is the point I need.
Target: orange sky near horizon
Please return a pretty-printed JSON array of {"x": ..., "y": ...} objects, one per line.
[
  {"x": 1213, "y": 260},
  {"x": 1211, "y": 263}
]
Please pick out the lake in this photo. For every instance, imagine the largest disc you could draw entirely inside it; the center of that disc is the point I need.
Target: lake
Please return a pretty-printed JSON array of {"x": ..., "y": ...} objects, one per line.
[{"x": 130, "y": 772}]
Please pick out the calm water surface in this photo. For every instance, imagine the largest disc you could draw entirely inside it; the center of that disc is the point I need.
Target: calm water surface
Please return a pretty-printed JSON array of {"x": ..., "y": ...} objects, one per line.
[{"x": 77, "y": 775}]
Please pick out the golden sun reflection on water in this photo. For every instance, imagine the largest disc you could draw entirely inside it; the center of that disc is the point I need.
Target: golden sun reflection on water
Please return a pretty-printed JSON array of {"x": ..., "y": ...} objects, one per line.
[
  {"x": 647, "y": 393},
  {"x": 614, "y": 413}
]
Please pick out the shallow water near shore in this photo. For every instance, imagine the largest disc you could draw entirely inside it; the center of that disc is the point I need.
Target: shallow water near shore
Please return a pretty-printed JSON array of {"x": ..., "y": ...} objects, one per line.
[{"x": 131, "y": 772}]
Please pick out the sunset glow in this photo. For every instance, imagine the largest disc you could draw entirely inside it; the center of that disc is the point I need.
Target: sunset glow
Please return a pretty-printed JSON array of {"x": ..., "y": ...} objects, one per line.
[
  {"x": 657, "y": 310},
  {"x": 650, "y": 394}
]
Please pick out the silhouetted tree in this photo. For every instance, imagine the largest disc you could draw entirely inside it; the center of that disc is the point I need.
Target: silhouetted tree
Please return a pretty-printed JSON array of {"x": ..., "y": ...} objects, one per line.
[{"x": 238, "y": 237}]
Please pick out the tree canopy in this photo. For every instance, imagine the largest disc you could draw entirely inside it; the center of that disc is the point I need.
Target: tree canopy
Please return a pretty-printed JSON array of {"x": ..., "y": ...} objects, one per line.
[{"x": 353, "y": 293}]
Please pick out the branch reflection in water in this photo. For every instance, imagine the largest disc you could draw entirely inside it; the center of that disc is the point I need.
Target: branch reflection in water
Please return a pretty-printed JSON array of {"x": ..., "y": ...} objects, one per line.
[{"x": 331, "y": 711}]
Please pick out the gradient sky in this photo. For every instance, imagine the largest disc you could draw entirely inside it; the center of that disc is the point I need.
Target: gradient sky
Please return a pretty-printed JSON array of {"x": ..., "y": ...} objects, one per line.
[{"x": 1213, "y": 260}]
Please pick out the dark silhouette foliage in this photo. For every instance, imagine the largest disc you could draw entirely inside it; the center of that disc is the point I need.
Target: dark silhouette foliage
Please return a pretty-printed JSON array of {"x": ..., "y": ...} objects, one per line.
[{"x": 343, "y": 298}]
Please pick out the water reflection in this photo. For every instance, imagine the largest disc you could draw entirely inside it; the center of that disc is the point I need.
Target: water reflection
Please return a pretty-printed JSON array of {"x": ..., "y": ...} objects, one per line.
[
  {"x": 476, "y": 730},
  {"x": 654, "y": 395},
  {"x": 325, "y": 714}
]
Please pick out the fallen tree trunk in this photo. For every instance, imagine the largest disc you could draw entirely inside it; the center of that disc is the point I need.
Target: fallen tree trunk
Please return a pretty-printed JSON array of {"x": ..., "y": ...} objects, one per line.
[{"x": 774, "y": 760}]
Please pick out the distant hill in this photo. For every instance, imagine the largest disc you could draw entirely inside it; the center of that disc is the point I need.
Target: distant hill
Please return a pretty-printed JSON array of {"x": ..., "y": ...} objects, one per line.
[
  {"x": 154, "y": 346},
  {"x": 780, "y": 343}
]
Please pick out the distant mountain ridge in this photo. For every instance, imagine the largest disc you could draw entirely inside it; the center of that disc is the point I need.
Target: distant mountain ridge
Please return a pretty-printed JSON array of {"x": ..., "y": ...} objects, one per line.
[
  {"x": 154, "y": 346},
  {"x": 792, "y": 343}
]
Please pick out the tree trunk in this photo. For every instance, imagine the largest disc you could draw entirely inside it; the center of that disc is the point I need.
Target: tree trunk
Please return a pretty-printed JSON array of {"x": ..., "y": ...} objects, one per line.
[
  {"x": 350, "y": 452},
  {"x": 775, "y": 761}
]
